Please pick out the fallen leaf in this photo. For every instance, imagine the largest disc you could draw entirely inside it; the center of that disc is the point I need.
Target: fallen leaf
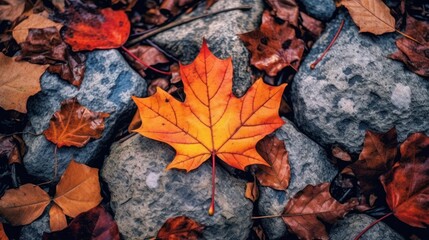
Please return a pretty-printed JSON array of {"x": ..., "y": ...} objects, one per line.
[
  {"x": 57, "y": 219},
  {"x": 34, "y": 21},
  {"x": 172, "y": 8},
  {"x": 23, "y": 205},
  {"x": 211, "y": 121},
  {"x": 74, "y": 125},
  {"x": 259, "y": 232},
  {"x": 252, "y": 191},
  {"x": 181, "y": 227},
  {"x": 413, "y": 54},
  {"x": 18, "y": 81},
  {"x": 10, "y": 10},
  {"x": 310, "y": 29},
  {"x": 308, "y": 211},
  {"x": 377, "y": 157},
  {"x": 104, "y": 29},
  {"x": 12, "y": 148},
  {"x": 147, "y": 54},
  {"x": 370, "y": 15},
  {"x": 286, "y": 10},
  {"x": 407, "y": 183},
  {"x": 43, "y": 46},
  {"x": 78, "y": 190},
  {"x": 3, "y": 235},
  {"x": 273, "y": 46},
  {"x": 151, "y": 13},
  {"x": 73, "y": 70},
  {"x": 95, "y": 224},
  {"x": 277, "y": 175}
]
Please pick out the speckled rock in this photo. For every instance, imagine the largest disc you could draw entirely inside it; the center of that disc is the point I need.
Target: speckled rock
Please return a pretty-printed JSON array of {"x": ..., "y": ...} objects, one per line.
[
  {"x": 355, "y": 88},
  {"x": 353, "y": 224},
  {"x": 35, "y": 229},
  {"x": 309, "y": 165},
  {"x": 221, "y": 33},
  {"x": 144, "y": 195},
  {"x": 108, "y": 86},
  {"x": 320, "y": 9}
]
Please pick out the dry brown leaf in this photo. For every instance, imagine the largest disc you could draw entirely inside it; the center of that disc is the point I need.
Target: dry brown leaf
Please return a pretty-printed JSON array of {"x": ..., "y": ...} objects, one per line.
[
  {"x": 18, "y": 81},
  {"x": 370, "y": 15},
  {"x": 3, "y": 235},
  {"x": 11, "y": 9},
  {"x": 147, "y": 54},
  {"x": 277, "y": 175},
  {"x": 57, "y": 219},
  {"x": 78, "y": 190},
  {"x": 40, "y": 20},
  {"x": 252, "y": 191},
  {"x": 74, "y": 125},
  {"x": 181, "y": 227},
  {"x": 12, "y": 148},
  {"x": 286, "y": 10},
  {"x": 23, "y": 205},
  {"x": 308, "y": 211}
]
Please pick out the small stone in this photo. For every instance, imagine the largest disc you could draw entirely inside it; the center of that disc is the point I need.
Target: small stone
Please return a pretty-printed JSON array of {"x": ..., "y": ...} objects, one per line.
[
  {"x": 220, "y": 31},
  {"x": 320, "y": 9},
  {"x": 309, "y": 165},
  {"x": 357, "y": 88},
  {"x": 108, "y": 85},
  {"x": 144, "y": 195},
  {"x": 353, "y": 224}
]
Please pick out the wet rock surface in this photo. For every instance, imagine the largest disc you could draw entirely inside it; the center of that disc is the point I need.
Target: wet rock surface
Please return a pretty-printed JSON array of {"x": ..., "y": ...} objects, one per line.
[
  {"x": 144, "y": 195},
  {"x": 320, "y": 9},
  {"x": 108, "y": 86}
]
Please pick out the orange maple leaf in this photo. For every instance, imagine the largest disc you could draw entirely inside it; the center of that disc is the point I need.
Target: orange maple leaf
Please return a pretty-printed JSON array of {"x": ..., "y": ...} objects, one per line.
[{"x": 211, "y": 121}]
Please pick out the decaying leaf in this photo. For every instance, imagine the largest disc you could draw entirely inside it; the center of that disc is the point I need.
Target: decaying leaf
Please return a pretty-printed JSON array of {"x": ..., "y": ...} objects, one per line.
[
  {"x": 252, "y": 191},
  {"x": 73, "y": 70},
  {"x": 273, "y": 46},
  {"x": 147, "y": 54},
  {"x": 104, "y": 29},
  {"x": 34, "y": 21},
  {"x": 277, "y": 175},
  {"x": 3, "y": 235},
  {"x": 18, "y": 81},
  {"x": 23, "y": 205},
  {"x": 172, "y": 8},
  {"x": 95, "y": 224},
  {"x": 181, "y": 227},
  {"x": 286, "y": 10},
  {"x": 74, "y": 125},
  {"x": 377, "y": 157},
  {"x": 211, "y": 121},
  {"x": 370, "y": 15},
  {"x": 407, "y": 183},
  {"x": 413, "y": 54},
  {"x": 306, "y": 213},
  {"x": 11, "y": 9},
  {"x": 57, "y": 218},
  {"x": 78, "y": 189},
  {"x": 12, "y": 148}
]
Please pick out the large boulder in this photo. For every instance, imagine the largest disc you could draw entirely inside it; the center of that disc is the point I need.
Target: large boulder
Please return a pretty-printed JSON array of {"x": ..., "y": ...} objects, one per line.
[
  {"x": 108, "y": 86},
  {"x": 220, "y": 31},
  {"x": 355, "y": 88},
  {"x": 309, "y": 165},
  {"x": 144, "y": 195}
]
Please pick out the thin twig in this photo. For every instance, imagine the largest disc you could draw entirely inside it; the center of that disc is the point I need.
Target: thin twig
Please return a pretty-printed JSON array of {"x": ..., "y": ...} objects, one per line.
[
  {"x": 162, "y": 50},
  {"x": 313, "y": 65},
  {"x": 287, "y": 215},
  {"x": 182, "y": 21},
  {"x": 143, "y": 63},
  {"x": 372, "y": 225}
]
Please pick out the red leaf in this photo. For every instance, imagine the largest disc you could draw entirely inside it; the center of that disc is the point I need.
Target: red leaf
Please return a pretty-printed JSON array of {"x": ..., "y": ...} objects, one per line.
[
  {"x": 95, "y": 224},
  {"x": 407, "y": 184},
  {"x": 104, "y": 29},
  {"x": 180, "y": 227}
]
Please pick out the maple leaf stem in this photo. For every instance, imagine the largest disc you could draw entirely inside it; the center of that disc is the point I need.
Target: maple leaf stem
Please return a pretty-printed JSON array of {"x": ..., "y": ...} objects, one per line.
[
  {"x": 313, "y": 65},
  {"x": 212, "y": 204},
  {"x": 372, "y": 225},
  {"x": 143, "y": 63}
]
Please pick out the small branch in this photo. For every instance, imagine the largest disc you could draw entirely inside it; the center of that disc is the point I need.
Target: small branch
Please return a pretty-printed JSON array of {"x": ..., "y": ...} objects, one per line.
[
  {"x": 372, "y": 225},
  {"x": 288, "y": 215},
  {"x": 212, "y": 204},
  {"x": 313, "y": 65},
  {"x": 161, "y": 50},
  {"x": 182, "y": 21},
  {"x": 143, "y": 63}
]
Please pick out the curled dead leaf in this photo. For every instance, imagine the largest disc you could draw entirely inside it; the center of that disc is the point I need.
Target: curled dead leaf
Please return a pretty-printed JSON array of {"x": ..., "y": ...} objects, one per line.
[{"x": 252, "y": 191}]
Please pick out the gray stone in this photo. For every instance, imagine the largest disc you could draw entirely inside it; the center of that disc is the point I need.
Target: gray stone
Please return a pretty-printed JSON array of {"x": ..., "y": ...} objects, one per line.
[
  {"x": 221, "y": 33},
  {"x": 353, "y": 224},
  {"x": 35, "y": 229},
  {"x": 144, "y": 195},
  {"x": 108, "y": 86},
  {"x": 355, "y": 88},
  {"x": 320, "y": 9},
  {"x": 309, "y": 165}
]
